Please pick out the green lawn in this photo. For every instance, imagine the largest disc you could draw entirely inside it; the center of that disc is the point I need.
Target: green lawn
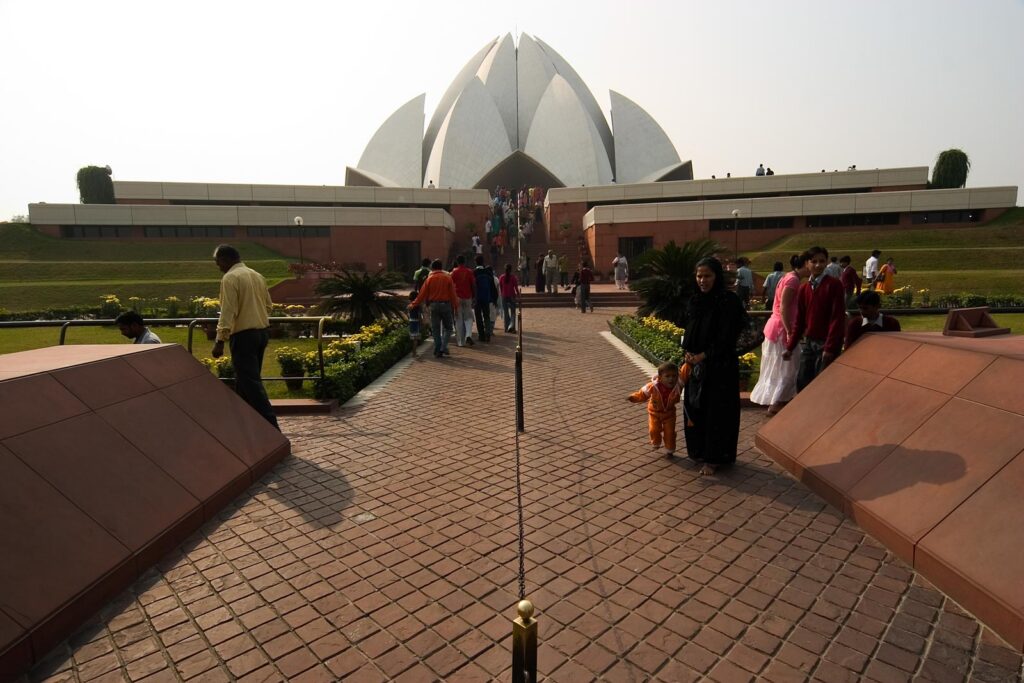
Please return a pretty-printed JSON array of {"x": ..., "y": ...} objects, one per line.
[
  {"x": 39, "y": 272},
  {"x": 987, "y": 259},
  {"x": 129, "y": 271},
  {"x": 22, "y": 242},
  {"x": 23, "y": 339},
  {"x": 934, "y": 323}
]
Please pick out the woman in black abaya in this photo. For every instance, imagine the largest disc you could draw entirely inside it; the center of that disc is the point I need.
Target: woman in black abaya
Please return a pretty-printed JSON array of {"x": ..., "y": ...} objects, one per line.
[{"x": 711, "y": 401}]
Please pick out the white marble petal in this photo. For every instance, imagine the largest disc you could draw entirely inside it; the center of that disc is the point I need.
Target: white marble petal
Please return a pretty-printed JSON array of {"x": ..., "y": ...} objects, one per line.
[
  {"x": 470, "y": 141},
  {"x": 394, "y": 151},
  {"x": 448, "y": 99},
  {"x": 641, "y": 146},
  {"x": 534, "y": 74},
  {"x": 566, "y": 71},
  {"x": 498, "y": 73},
  {"x": 564, "y": 139}
]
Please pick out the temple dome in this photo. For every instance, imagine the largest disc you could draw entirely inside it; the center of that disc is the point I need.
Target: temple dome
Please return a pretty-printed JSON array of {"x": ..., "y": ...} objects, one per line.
[{"x": 518, "y": 115}]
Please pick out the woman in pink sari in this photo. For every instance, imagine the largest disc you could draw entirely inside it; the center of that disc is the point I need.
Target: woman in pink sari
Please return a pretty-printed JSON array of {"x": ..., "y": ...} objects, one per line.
[{"x": 776, "y": 385}]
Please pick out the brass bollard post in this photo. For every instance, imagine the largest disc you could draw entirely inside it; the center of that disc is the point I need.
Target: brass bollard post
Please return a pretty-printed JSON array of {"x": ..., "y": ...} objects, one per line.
[
  {"x": 520, "y": 413},
  {"x": 524, "y": 644}
]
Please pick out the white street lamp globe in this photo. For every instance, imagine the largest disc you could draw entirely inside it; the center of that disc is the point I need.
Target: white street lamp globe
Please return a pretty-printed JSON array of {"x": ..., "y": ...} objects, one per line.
[
  {"x": 298, "y": 220},
  {"x": 735, "y": 213}
]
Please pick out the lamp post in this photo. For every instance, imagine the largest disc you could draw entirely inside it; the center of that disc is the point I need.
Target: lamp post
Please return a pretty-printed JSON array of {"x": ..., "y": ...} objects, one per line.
[
  {"x": 736, "y": 232},
  {"x": 298, "y": 223}
]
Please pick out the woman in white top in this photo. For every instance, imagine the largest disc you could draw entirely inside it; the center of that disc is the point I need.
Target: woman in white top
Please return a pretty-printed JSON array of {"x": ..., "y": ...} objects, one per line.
[
  {"x": 621, "y": 271},
  {"x": 776, "y": 385}
]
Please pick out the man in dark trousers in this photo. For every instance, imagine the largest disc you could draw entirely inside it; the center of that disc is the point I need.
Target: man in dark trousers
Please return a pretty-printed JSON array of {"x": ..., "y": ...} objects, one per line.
[
  {"x": 820, "y": 320},
  {"x": 244, "y": 318},
  {"x": 486, "y": 294},
  {"x": 871, "y": 318}
]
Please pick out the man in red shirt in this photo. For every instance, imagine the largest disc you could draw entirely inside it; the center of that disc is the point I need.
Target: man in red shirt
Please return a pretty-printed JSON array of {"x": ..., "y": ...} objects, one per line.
[
  {"x": 820, "y": 320},
  {"x": 851, "y": 281},
  {"x": 465, "y": 289}
]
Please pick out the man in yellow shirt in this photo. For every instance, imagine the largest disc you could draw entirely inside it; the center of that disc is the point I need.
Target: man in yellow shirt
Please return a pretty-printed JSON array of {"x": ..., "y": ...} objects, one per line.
[{"x": 244, "y": 311}]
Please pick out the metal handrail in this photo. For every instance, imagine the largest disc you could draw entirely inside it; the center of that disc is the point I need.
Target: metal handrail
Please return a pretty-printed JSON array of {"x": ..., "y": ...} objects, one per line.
[{"x": 320, "y": 320}]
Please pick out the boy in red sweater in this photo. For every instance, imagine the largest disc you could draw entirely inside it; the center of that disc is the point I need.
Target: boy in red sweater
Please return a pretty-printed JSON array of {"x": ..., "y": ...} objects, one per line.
[
  {"x": 820, "y": 320},
  {"x": 661, "y": 394}
]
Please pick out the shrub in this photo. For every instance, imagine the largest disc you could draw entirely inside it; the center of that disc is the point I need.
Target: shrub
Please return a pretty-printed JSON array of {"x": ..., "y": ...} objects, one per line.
[
  {"x": 173, "y": 306},
  {"x": 292, "y": 361},
  {"x": 339, "y": 382},
  {"x": 221, "y": 367},
  {"x": 342, "y": 379},
  {"x": 95, "y": 185},
  {"x": 110, "y": 306}
]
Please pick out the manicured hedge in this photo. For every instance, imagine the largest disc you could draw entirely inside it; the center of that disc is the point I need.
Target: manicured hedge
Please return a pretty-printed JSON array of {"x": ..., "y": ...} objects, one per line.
[{"x": 343, "y": 380}]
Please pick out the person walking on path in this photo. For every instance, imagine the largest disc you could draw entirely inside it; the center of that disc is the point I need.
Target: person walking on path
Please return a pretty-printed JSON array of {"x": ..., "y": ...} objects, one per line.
[
  {"x": 539, "y": 281},
  {"x": 551, "y": 272},
  {"x": 134, "y": 327},
  {"x": 438, "y": 293},
  {"x": 662, "y": 395},
  {"x": 771, "y": 284},
  {"x": 245, "y": 307},
  {"x": 871, "y": 269},
  {"x": 524, "y": 269},
  {"x": 776, "y": 385},
  {"x": 563, "y": 272},
  {"x": 820, "y": 321},
  {"x": 421, "y": 275},
  {"x": 486, "y": 294},
  {"x": 508, "y": 286},
  {"x": 465, "y": 289},
  {"x": 585, "y": 280},
  {"x": 744, "y": 280},
  {"x": 621, "y": 268},
  {"x": 886, "y": 280},
  {"x": 711, "y": 401}
]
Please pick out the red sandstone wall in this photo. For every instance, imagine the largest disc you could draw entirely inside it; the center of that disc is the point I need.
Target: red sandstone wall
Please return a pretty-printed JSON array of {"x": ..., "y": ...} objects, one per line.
[{"x": 571, "y": 213}]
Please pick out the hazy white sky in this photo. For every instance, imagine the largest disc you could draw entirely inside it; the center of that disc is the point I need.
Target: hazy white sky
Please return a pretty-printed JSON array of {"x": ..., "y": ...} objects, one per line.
[{"x": 291, "y": 92}]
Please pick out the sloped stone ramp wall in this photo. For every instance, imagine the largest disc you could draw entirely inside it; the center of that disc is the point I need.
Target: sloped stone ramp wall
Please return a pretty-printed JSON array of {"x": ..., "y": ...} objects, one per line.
[
  {"x": 920, "y": 439},
  {"x": 110, "y": 455}
]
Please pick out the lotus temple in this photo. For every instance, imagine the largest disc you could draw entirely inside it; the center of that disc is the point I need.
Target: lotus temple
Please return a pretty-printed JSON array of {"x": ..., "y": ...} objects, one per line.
[{"x": 518, "y": 115}]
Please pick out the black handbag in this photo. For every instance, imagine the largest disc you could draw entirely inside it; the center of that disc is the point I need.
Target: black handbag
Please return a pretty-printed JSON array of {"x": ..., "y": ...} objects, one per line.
[{"x": 751, "y": 335}]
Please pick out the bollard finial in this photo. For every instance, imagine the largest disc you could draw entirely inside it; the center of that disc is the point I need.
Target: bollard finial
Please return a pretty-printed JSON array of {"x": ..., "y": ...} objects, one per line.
[{"x": 525, "y": 609}]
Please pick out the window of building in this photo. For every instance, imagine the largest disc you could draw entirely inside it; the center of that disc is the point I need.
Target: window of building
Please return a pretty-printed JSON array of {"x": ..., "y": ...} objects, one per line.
[
  {"x": 285, "y": 231},
  {"x": 95, "y": 231},
  {"x": 954, "y": 216},
  {"x": 188, "y": 231},
  {"x": 843, "y": 220},
  {"x": 633, "y": 247},
  {"x": 768, "y": 223}
]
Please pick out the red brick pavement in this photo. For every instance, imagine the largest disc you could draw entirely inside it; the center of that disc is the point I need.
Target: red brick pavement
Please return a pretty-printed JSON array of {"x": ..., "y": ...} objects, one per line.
[{"x": 385, "y": 549}]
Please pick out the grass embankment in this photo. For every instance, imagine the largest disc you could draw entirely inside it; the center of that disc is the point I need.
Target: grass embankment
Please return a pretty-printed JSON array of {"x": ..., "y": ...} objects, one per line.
[
  {"x": 38, "y": 272},
  {"x": 986, "y": 259},
  {"x": 24, "y": 339}
]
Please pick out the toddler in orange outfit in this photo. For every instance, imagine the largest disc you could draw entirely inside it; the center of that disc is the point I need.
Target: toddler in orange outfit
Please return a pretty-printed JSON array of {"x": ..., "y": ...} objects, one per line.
[{"x": 661, "y": 394}]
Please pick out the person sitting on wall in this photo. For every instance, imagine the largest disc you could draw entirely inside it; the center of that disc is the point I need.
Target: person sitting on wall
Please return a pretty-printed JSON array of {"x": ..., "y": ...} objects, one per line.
[
  {"x": 134, "y": 327},
  {"x": 871, "y": 318}
]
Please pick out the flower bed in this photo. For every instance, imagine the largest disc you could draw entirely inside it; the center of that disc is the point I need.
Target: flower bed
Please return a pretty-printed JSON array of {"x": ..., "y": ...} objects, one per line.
[
  {"x": 658, "y": 341},
  {"x": 354, "y": 362}
]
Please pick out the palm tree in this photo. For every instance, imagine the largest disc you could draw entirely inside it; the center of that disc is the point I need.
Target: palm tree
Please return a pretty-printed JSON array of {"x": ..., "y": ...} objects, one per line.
[
  {"x": 667, "y": 278},
  {"x": 950, "y": 169},
  {"x": 363, "y": 297}
]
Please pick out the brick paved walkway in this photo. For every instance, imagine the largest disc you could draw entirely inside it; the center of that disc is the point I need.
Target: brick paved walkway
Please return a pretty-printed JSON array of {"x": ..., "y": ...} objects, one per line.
[{"x": 386, "y": 549}]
